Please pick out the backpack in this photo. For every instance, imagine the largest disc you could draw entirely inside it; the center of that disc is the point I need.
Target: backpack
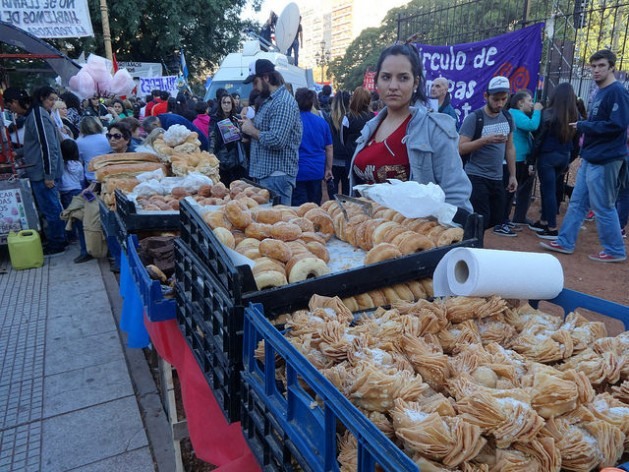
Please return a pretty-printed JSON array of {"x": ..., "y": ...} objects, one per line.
[{"x": 478, "y": 130}]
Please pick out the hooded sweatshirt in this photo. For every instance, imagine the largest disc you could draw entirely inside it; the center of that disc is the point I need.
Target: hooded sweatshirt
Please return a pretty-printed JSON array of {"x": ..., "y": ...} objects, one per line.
[
  {"x": 202, "y": 121},
  {"x": 432, "y": 144},
  {"x": 42, "y": 151}
]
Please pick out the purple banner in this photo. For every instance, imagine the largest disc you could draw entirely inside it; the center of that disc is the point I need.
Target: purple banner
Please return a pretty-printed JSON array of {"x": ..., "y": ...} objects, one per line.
[{"x": 469, "y": 67}]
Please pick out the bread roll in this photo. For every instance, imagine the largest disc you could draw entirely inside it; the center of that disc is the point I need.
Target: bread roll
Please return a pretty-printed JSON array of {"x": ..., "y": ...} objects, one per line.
[{"x": 120, "y": 157}]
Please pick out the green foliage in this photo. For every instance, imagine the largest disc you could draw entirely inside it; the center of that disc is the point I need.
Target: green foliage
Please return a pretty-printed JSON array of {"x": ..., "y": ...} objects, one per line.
[
  {"x": 362, "y": 53},
  {"x": 143, "y": 30}
]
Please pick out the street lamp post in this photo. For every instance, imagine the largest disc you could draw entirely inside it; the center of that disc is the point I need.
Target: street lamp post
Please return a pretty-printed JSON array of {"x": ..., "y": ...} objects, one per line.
[{"x": 322, "y": 57}]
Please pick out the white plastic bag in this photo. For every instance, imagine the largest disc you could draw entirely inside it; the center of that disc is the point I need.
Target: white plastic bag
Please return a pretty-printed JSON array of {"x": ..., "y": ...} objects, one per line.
[
  {"x": 412, "y": 199},
  {"x": 157, "y": 174}
]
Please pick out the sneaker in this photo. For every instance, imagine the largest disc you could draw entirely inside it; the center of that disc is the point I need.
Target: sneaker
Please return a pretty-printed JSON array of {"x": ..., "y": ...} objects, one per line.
[
  {"x": 537, "y": 227},
  {"x": 590, "y": 216},
  {"x": 556, "y": 247},
  {"x": 82, "y": 258},
  {"x": 548, "y": 234},
  {"x": 514, "y": 226},
  {"x": 50, "y": 251},
  {"x": 604, "y": 257},
  {"x": 504, "y": 230}
]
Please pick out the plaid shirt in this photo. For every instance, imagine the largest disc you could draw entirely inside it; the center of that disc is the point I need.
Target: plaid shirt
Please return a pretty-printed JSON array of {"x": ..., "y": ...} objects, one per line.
[{"x": 277, "y": 148}]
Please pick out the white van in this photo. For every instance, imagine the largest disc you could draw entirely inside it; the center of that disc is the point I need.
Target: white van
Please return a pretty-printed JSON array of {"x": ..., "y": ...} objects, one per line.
[{"x": 235, "y": 69}]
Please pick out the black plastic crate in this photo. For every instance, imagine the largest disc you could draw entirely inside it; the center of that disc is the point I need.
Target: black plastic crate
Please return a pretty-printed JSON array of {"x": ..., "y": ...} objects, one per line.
[
  {"x": 134, "y": 221},
  {"x": 240, "y": 284},
  {"x": 208, "y": 321}
]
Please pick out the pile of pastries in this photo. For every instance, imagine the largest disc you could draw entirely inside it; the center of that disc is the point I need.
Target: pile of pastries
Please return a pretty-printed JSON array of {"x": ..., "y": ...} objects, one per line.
[
  {"x": 474, "y": 384},
  {"x": 386, "y": 233},
  {"x": 287, "y": 244},
  {"x": 216, "y": 194}
]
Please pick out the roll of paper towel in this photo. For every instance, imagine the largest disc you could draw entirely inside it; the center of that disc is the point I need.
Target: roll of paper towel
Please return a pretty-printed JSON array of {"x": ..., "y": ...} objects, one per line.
[{"x": 509, "y": 274}]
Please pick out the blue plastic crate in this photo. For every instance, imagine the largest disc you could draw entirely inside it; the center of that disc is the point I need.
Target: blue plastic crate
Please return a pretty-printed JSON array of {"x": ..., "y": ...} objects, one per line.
[
  {"x": 283, "y": 426},
  {"x": 289, "y": 425},
  {"x": 157, "y": 307}
]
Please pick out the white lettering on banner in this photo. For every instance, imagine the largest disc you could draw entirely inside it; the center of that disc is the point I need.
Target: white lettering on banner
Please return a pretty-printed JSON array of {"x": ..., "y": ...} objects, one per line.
[
  {"x": 167, "y": 84},
  {"x": 48, "y": 18}
]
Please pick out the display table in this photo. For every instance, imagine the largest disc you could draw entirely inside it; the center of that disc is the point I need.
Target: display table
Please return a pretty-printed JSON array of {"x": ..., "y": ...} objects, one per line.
[{"x": 214, "y": 441}]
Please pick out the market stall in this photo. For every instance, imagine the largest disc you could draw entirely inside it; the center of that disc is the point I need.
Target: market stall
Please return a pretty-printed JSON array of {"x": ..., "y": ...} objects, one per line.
[{"x": 309, "y": 338}]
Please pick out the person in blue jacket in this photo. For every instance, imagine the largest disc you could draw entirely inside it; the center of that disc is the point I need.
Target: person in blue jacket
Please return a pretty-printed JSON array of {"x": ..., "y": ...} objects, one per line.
[
  {"x": 526, "y": 119},
  {"x": 604, "y": 156}
]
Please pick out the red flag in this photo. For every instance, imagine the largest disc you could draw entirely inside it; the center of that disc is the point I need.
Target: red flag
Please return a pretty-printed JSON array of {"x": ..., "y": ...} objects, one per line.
[{"x": 115, "y": 63}]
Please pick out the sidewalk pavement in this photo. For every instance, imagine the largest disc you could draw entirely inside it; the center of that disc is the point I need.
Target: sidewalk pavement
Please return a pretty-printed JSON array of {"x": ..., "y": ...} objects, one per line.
[{"x": 67, "y": 402}]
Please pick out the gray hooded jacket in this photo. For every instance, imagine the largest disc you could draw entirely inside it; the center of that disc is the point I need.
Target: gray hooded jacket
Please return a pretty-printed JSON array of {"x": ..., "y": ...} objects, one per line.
[
  {"x": 41, "y": 151},
  {"x": 433, "y": 151}
]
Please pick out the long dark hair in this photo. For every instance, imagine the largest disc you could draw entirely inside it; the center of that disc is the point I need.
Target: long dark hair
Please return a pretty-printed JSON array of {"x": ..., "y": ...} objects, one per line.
[
  {"x": 517, "y": 97},
  {"x": 42, "y": 93},
  {"x": 562, "y": 108},
  {"x": 412, "y": 55},
  {"x": 220, "y": 113}
]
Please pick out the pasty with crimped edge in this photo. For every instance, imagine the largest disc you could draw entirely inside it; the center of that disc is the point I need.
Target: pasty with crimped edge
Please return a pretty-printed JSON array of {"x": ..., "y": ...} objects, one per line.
[{"x": 450, "y": 440}]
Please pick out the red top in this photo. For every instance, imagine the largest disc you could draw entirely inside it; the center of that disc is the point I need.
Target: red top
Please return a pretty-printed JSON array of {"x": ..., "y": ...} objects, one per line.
[
  {"x": 377, "y": 162},
  {"x": 159, "y": 108}
]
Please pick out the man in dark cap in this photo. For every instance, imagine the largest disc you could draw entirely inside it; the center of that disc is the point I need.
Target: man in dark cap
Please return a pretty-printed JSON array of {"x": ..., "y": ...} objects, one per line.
[{"x": 275, "y": 131}]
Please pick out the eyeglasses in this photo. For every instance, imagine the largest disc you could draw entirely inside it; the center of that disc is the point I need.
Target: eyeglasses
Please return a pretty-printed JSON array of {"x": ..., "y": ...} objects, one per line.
[{"x": 114, "y": 136}]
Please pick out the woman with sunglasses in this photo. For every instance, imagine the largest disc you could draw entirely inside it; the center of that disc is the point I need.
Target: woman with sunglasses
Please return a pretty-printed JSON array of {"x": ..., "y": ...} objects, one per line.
[
  {"x": 119, "y": 137},
  {"x": 406, "y": 142}
]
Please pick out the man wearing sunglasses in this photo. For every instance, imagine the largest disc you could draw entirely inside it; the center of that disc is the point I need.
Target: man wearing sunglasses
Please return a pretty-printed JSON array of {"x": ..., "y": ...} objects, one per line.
[{"x": 119, "y": 137}]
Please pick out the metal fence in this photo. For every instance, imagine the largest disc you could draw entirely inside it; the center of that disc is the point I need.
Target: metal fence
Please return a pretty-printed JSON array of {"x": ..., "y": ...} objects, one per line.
[{"x": 575, "y": 29}]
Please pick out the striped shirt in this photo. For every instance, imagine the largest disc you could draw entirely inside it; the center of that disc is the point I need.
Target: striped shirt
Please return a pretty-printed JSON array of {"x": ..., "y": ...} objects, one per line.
[{"x": 277, "y": 148}]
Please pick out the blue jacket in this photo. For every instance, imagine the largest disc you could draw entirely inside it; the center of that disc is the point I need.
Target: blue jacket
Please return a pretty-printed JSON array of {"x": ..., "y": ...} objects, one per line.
[
  {"x": 432, "y": 144},
  {"x": 169, "y": 119},
  {"x": 605, "y": 131},
  {"x": 524, "y": 126}
]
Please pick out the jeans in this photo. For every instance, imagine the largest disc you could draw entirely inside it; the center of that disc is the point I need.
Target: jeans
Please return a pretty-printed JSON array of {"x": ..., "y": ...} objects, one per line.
[
  {"x": 595, "y": 188},
  {"x": 49, "y": 206},
  {"x": 622, "y": 206},
  {"x": 307, "y": 191},
  {"x": 294, "y": 48},
  {"x": 282, "y": 185},
  {"x": 77, "y": 225},
  {"x": 549, "y": 167},
  {"x": 488, "y": 199},
  {"x": 522, "y": 194}
]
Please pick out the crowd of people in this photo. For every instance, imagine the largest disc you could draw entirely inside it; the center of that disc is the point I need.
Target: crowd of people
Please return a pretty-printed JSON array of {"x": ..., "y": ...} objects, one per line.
[{"x": 299, "y": 144}]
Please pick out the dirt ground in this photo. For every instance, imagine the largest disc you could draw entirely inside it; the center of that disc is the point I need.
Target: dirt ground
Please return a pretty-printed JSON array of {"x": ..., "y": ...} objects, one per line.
[{"x": 608, "y": 281}]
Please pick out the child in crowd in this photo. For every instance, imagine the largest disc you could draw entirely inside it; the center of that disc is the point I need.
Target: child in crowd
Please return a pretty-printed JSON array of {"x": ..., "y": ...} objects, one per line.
[{"x": 71, "y": 185}]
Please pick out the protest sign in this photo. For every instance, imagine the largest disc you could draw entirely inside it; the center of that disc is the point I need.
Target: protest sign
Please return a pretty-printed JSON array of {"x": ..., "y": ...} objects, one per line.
[
  {"x": 48, "y": 18},
  {"x": 142, "y": 69},
  {"x": 469, "y": 67},
  {"x": 167, "y": 84}
]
